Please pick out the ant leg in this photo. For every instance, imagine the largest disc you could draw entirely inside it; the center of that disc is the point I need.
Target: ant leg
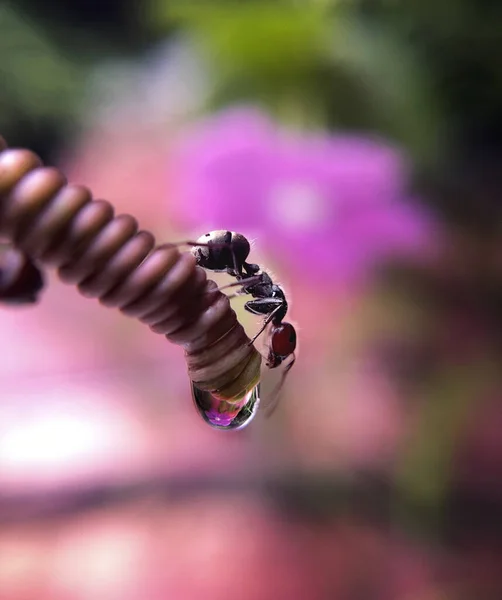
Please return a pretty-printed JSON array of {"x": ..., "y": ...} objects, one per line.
[
  {"x": 265, "y": 323},
  {"x": 193, "y": 244},
  {"x": 236, "y": 295},
  {"x": 274, "y": 402},
  {"x": 229, "y": 296},
  {"x": 241, "y": 292},
  {"x": 237, "y": 272},
  {"x": 242, "y": 282}
]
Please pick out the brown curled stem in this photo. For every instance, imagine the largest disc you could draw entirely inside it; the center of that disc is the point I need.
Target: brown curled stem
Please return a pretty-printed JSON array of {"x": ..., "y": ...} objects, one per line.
[{"x": 57, "y": 224}]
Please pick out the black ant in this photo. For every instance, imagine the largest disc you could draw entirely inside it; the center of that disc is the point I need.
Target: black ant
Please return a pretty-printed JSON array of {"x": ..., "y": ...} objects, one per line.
[{"x": 224, "y": 251}]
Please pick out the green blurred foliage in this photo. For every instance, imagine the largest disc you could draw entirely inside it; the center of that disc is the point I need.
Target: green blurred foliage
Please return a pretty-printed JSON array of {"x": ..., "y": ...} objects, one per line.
[
  {"x": 459, "y": 43},
  {"x": 38, "y": 83},
  {"x": 313, "y": 64},
  {"x": 47, "y": 53},
  {"x": 425, "y": 73}
]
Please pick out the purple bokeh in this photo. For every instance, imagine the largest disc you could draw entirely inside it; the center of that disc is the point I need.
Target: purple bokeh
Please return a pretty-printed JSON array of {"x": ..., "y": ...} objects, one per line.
[
  {"x": 331, "y": 206},
  {"x": 215, "y": 417}
]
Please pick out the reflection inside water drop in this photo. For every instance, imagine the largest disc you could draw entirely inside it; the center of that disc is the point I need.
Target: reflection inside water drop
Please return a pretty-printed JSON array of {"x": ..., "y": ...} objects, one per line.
[{"x": 222, "y": 414}]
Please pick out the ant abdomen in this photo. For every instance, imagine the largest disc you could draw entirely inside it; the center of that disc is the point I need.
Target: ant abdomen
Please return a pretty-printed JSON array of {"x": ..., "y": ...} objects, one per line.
[
  {"x": 283, "y": 339},
  {"x": 108, "y": 258}
]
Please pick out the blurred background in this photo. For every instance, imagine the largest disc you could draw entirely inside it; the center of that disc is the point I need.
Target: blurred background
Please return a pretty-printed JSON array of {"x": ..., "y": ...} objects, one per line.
[{"x": 357, "y": 144}]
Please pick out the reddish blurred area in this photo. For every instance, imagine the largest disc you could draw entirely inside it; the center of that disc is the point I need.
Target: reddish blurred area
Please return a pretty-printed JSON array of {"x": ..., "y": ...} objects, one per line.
[{"x": 206, "y": 548}]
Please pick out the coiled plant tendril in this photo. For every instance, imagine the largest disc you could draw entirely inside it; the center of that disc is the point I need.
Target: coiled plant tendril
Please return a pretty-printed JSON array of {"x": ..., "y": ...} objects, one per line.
[{"x": 49, "y": 222}]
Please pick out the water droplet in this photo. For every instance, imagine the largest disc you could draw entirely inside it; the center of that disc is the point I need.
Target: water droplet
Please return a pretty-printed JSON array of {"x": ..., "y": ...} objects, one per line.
[{"x": 223, "y": 414}]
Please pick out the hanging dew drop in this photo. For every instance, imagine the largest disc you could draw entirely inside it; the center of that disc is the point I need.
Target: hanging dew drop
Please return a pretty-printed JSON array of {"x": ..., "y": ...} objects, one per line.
[{"x": 220, "y": 413}]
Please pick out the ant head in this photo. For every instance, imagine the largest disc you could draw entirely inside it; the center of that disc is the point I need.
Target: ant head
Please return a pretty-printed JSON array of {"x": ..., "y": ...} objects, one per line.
[
  {"x": 282, "y": 343},
  {"x": 240, "y": 247},
  {"x": 221, "y": 250}
]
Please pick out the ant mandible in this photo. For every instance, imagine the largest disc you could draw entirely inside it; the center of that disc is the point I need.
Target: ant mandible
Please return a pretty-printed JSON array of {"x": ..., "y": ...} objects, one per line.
[{"x": 224, "y": 251}]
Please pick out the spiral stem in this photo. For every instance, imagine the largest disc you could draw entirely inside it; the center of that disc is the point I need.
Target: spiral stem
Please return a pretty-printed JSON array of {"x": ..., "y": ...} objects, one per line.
[{"x": 107, "y": 257}]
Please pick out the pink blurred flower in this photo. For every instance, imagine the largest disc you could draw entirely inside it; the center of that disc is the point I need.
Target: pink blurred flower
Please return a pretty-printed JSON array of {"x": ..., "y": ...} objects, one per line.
[
  {"x": 127, "y": 167},
  {"x": 333, "y": 206}
]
